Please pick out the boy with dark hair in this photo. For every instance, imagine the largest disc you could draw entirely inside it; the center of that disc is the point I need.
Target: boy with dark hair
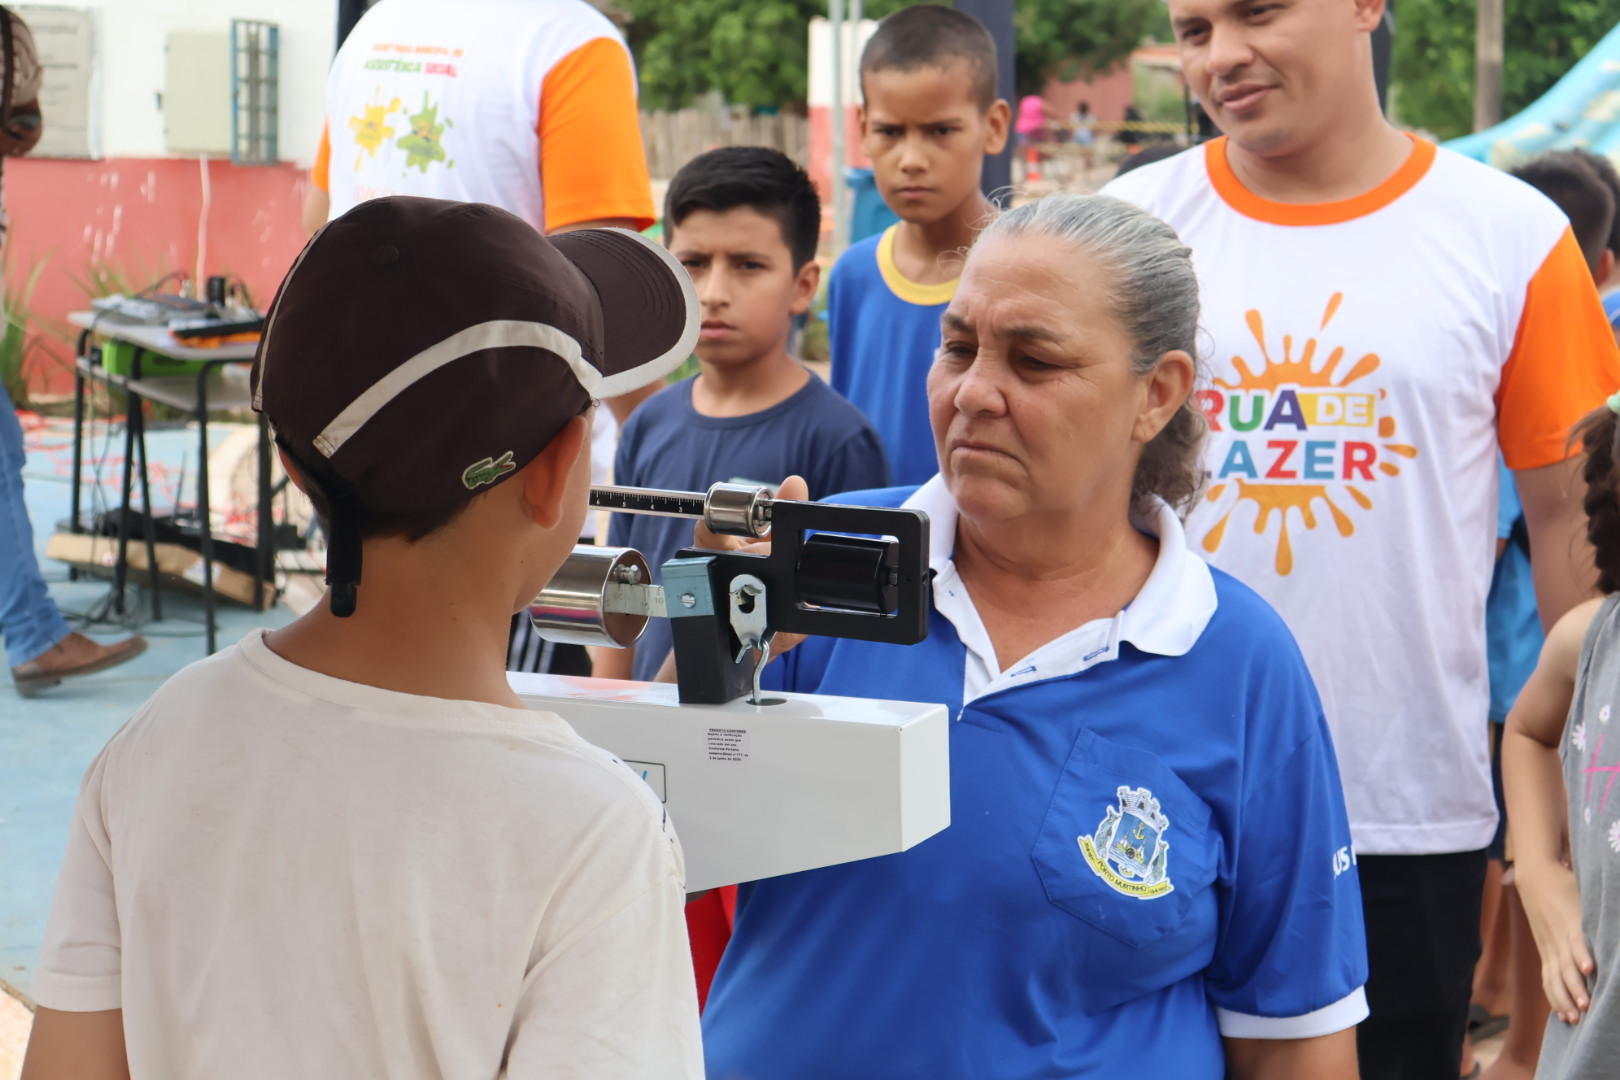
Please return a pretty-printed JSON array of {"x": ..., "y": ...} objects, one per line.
[
  {"x": 929, "y": 115},
  {"x": 744, "y": 221},
  {"x": 1604, "y": 168},
  {"x": 344, "y": 848},
  {"x": 1574, "y": 180}
]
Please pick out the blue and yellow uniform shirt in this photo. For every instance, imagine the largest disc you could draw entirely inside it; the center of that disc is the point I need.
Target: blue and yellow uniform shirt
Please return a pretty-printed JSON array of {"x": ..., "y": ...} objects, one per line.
[
  {"x": 1148, "y": 851},
  {"x": 883, "y": 331}
]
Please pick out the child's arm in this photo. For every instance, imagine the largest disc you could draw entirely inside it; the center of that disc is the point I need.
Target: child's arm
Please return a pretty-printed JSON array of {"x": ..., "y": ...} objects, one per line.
[
  {"x": 1533, "y": 783},
  {"x": 76, "y": 1046},
  {"x": 609, "y": 663}
]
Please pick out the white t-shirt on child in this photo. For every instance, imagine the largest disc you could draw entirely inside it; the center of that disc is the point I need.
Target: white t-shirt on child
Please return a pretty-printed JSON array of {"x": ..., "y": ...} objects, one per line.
[{"x": 276, "y": 873}]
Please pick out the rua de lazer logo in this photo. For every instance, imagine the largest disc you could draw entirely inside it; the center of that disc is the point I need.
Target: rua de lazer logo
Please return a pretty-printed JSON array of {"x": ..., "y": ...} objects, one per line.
[{"x": 1296, "y": 432}]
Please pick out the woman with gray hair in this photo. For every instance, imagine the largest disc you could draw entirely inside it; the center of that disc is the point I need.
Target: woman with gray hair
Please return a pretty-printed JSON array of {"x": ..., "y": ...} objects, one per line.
[{"x": 1148, "y": 870}]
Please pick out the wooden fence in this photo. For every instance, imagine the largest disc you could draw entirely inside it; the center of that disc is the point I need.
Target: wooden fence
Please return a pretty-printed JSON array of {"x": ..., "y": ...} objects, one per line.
[{"x": 674, "y": 138}]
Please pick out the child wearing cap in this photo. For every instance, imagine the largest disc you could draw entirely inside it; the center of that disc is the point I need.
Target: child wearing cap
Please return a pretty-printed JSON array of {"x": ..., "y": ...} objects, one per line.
[
  {"x": 744, "y": 221},
  {"x": 343, "y": 848}
]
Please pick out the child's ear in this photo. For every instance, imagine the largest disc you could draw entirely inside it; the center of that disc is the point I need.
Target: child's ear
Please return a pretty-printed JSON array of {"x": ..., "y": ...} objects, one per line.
[
  {"x": 1605, "y": 268},
  {"x": 860, "y": 118},
  {"x": 544, "y": 481},
  {"x": 805, "y": 286},
  {"x": 996, "y": 120}
]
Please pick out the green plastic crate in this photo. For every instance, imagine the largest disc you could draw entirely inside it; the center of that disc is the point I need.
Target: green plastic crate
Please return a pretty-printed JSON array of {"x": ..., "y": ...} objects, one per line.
[{"x": 118, "y": 358}]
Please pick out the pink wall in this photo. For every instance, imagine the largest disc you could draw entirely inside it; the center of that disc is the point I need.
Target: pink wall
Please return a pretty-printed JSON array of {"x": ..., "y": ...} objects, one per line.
[
  {"x": 141, "y": 217},
  {"x": 1107, "y": 94}
]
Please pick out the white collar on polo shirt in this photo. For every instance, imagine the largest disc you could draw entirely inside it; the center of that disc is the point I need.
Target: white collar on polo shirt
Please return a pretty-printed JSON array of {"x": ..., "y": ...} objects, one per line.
[{"x": 1166, "y": 618}]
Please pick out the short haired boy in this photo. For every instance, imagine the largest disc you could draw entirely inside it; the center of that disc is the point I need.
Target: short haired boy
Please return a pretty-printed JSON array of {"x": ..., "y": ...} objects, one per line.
[
  {"x": 344, "y": 848},
  {"x": 929, "y": 115},
  {"x": 744, "y": 221},
  {"x": 1574, "y": 180},
  {"x": 1554, "y": 167}
]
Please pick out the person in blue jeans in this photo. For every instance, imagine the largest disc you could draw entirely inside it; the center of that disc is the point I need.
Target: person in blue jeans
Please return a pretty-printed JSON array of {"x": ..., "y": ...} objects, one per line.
[{"x": 40, "y": 646}]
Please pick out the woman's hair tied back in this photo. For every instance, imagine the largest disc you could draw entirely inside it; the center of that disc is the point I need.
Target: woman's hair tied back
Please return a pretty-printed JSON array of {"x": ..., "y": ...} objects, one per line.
[{"x": 1155, "y": 298}]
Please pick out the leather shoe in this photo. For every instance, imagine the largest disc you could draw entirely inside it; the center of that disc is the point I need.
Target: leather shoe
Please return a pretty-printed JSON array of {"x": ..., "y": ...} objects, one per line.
[{"x": 73, "y": 655}]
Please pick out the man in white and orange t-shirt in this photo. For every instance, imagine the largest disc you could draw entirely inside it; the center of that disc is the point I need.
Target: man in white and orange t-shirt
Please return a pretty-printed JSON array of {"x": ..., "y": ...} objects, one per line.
[
  {"x": 1384, "y": 315},
  {"x": 529, "y": 105}
]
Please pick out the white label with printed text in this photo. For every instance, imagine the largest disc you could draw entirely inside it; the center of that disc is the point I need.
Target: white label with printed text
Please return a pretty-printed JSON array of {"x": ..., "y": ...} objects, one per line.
[{"x": 728, "y": 744}]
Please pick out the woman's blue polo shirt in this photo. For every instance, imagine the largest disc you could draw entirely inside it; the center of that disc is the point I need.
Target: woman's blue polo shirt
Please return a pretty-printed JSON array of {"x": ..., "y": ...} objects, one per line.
[{"x": 1148, "y": 850}]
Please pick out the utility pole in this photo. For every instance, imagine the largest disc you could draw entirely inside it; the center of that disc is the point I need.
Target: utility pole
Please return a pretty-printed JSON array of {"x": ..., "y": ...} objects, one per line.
[
  {"x": 1487, "y": 64},
  {"x": 835, "y": 21}
]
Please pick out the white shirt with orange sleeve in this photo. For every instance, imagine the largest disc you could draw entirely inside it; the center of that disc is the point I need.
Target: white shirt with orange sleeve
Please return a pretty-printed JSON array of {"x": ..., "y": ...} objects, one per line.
[
  {"x": 529, "y": 105},
  {"x": 1370, "y": 356}
]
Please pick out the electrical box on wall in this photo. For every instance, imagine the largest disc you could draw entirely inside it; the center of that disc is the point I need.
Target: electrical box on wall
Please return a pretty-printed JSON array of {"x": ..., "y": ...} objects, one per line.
[{"x": 197, "y": 93}]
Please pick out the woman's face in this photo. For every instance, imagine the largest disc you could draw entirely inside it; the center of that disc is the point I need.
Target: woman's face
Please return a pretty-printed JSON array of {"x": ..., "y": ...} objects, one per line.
[{"x": 1032, "y": 398}]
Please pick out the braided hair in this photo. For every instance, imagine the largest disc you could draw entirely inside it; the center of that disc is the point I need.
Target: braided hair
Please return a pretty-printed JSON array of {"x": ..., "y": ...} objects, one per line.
[{"x": 1599, "y": 434}]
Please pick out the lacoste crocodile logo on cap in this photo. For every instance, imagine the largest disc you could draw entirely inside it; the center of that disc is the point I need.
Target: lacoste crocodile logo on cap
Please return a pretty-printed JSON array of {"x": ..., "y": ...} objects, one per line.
[{"x": 487, "y": 471}]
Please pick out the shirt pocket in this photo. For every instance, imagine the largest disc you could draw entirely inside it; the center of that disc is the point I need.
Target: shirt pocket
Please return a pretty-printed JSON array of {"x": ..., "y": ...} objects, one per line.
[{"x": 1126, "y": 847}]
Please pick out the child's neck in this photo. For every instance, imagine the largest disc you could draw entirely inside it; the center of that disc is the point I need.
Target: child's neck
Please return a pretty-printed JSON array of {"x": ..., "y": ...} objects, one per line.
[
  {"x": 723, "y": 390},
  {"x": 439, "y": 638},
  {"x": 919, "y": 247}
]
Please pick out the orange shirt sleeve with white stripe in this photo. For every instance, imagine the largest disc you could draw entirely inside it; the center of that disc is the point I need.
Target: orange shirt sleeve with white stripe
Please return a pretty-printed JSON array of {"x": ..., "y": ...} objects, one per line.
[
  {"x": 592, "y": 162},
  {"x": 1564, "y": 362}
]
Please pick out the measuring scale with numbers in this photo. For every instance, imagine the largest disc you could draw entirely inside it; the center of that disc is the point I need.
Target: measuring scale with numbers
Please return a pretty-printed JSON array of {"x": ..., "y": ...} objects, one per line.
[{"x": 757, "y": 786}]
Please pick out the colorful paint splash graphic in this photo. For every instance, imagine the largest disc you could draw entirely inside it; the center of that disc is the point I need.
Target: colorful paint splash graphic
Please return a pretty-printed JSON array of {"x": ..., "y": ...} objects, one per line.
[
  {"x": 423, "y": 145},
  {"x": 1301, "y": 435},
  {"x": 371, "y": 126}
]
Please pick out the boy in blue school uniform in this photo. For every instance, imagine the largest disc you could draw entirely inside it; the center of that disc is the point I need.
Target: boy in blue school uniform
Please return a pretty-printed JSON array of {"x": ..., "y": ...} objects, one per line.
[
  {"x": 744, "y": 221},
  {"x": 929, "y": 115}
]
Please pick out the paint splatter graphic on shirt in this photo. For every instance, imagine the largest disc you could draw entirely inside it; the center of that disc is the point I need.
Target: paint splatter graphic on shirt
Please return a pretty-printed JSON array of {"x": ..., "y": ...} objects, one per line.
[
  {"x": 424, "y": 145},
  {"x": 1299, "y": 432},
  {"x": 371, "y": 126}
]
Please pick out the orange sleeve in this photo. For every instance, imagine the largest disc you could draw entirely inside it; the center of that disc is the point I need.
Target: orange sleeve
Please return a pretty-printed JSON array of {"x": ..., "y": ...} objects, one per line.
[
  {"x": 592, "y": 164},
  {"x": 1564, "y": 362},
  {"x": 319, "y": 173}
]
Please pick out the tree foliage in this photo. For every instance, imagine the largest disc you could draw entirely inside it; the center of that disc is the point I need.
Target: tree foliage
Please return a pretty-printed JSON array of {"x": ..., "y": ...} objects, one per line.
[
  {"x": 1068, "y": 39},
  {"x": 756, "y": 52},
  {"x": 1433, "y": 65}
]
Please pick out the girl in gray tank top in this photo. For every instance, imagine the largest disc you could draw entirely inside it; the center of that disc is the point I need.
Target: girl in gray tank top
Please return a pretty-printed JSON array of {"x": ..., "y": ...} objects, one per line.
[{"x": 1560, "y": 763}]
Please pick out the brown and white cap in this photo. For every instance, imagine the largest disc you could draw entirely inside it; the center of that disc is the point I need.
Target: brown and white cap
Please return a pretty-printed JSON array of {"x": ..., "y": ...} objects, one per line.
[{"x": 420, "y": 351}]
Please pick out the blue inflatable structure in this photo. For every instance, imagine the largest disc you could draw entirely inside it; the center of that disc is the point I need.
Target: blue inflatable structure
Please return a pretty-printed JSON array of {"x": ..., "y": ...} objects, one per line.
[{"x": 1580, "y": 112}]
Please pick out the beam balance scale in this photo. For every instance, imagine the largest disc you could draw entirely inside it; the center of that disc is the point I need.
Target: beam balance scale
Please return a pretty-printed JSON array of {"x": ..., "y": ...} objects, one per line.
[{"x": 757, "y": 785}]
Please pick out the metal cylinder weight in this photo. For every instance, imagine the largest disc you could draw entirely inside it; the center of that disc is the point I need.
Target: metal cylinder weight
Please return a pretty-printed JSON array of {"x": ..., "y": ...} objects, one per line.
[{"x": 570, "y": 608}]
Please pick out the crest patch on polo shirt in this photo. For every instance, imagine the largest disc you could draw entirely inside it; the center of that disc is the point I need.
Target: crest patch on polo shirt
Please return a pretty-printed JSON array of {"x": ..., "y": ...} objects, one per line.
[{"x": 1129, "y": 850}]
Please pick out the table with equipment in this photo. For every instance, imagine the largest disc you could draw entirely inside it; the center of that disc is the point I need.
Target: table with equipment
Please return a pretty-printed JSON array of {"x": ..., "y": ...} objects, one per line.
[{"x": 192, "y": 381}]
